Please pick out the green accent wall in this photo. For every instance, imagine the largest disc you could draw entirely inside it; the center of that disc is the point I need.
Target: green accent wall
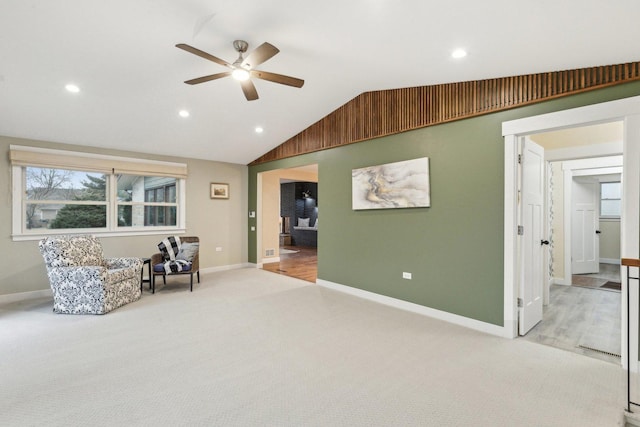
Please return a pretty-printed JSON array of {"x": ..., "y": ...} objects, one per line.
[{"x": 454, "y": 249}]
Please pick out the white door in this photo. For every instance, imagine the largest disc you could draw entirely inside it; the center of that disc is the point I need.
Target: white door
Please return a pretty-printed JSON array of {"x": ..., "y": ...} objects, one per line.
[
  {"x": 585, "y": 244},
  {"x": 533, "y": 243}
]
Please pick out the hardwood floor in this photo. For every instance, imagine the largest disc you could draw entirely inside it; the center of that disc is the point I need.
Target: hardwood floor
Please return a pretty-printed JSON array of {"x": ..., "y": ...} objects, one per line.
[{"x": 303, "y": 264}]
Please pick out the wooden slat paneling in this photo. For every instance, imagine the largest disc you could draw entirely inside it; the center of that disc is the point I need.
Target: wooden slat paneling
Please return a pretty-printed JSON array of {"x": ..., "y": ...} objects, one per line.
[{"x": 380, "y": 113}]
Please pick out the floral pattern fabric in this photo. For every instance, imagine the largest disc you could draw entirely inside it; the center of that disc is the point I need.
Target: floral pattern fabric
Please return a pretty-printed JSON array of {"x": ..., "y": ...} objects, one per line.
[{"x": 83, "y": 281}]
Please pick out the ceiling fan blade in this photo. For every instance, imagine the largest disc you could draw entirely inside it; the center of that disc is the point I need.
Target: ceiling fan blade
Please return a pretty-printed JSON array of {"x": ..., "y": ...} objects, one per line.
[
  {"x": 203, "y": 54},
  {"x": 208, "y": 78},
  {"x": 277, "y": 78},
  {"x": 259, "y": 55},
  {"x": 249, "y": 90}
]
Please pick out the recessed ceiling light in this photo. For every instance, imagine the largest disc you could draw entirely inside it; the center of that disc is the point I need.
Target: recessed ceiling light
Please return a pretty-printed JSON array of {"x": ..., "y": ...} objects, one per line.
[
  {"x": 72, "y": 88},
  {"x": 183, "y": 113},
  {"x": 259, "y": 129},
  {"x": 458, "y": 53}
]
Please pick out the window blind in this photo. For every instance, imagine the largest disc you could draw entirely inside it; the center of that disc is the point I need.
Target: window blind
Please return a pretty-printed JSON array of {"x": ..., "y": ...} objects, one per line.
[{"x": 63, "y": 159}]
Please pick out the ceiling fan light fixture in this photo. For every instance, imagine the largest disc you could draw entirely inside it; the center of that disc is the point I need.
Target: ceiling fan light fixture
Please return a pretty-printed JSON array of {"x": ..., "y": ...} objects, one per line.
[{"x": 240, "y": 74}]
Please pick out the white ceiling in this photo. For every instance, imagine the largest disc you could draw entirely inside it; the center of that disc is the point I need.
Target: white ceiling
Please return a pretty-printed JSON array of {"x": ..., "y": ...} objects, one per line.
[{"x": 121, "y": 54}]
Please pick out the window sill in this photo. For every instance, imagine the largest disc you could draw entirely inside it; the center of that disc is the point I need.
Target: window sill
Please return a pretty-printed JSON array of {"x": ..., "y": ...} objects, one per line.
[{"x": 154, "y": 232}]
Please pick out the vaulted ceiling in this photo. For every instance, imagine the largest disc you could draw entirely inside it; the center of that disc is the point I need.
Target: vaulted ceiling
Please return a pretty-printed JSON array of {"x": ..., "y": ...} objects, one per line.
[{"x": 122, "y": 56}]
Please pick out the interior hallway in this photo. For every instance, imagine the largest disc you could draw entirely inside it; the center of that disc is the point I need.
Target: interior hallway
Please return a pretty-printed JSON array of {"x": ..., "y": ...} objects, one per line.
[{"x": 584, "y": 318}]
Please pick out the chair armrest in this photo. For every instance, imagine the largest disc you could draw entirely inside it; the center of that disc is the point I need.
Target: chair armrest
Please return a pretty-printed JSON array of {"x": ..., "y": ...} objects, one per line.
[
  {"x": 195, "y": 263},
  {"x": 113, "y": 263},
  {"x": 156, "y": 259},
  {"x": 80, "y": 277}
]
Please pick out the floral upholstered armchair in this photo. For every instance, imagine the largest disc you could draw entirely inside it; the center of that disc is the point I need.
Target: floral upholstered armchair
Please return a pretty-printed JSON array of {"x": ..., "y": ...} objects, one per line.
[{"x": 83, "y": 281}]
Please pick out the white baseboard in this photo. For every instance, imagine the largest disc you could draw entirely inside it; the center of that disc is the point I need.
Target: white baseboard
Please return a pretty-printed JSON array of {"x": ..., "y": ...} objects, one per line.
[
  {"x": 270, "y": 260},
  {"x": 560, "y": 281},
  {"x": 417, "y": 308},
  {"x": 226, "y": 268},
  {"x": 615, "y": 261},
  {"x": 20, "y": 296}
]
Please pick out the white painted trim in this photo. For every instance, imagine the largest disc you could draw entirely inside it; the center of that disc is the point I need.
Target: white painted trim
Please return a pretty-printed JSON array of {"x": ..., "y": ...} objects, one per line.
[
  {"x": 588, "y": 115},
  {"x": 226, "y": 267},
  {"x": 581, "y": 167},
  {"x": 610, "y": 261},
  {"x": 270, "y": 260},
  {"x": 97, "y": 233},
  {"x": 560, "y": 281},
  {"x": 416, "y": 308},
  {"x": 628, "y": 110},
  {"x": 630, "y": 230},
  {"x": 595, "y": 164},
  {"x": 259, "y": 213},
  {"x": 599, "y": 171},
  {"x": 510, "y": 236},
  {"x": 22, "y": 296}
]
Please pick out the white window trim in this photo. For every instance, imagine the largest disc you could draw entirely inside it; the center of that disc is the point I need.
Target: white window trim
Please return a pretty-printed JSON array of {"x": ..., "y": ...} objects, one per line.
[{"x": 18, "y": 184}]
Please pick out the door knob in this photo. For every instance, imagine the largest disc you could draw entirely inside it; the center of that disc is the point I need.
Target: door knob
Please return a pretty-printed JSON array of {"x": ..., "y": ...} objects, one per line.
[
  {"x": 544, "y": 242},
  {"x": 598, "y": 231}
]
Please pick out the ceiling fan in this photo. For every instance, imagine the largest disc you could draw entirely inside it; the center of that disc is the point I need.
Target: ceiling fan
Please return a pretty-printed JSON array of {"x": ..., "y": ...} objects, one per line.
[{"x": 243, "y": 69}]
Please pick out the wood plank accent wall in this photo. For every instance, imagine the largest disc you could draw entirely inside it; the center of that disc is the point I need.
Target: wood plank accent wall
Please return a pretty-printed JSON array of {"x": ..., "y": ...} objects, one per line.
[{"x": 380, "y": 113}]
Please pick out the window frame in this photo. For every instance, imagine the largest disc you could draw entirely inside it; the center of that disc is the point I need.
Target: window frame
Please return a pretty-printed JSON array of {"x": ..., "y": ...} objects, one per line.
[
  {"x": 600, "y": 199},
  {"x": 19, "y": 199}
]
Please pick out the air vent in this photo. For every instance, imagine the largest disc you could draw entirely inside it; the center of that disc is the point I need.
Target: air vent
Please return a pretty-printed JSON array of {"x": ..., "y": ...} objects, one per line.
[
  {"x": 270, "y": 252},
  {"x": 598, "y": 351}
]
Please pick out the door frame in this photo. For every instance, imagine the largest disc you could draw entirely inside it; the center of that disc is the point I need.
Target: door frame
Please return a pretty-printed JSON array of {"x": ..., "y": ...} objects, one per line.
[
  {"x": 581, "y": 167},
  {"x": 626, "y": 110}
]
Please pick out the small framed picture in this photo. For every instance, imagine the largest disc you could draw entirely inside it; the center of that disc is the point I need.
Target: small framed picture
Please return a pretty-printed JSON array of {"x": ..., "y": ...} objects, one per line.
[{"x": 219, "y": 190}]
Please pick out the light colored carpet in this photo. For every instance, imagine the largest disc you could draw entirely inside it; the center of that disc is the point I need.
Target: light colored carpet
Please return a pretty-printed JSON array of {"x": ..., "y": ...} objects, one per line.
[{"x": 251, "y": 348}]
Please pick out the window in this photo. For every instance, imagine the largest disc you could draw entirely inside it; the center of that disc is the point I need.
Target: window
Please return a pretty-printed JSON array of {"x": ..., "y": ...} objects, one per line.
[
  {"x": 146, "y": 201},
  {"x": 610, "y": 201},
  {"x": 60, "y": 192},
  {"x": 63, "y": 199}
]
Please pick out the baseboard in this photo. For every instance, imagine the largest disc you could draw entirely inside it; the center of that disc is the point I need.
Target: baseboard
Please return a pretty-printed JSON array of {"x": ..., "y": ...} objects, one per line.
[
  {"x": 559, "y": 281},
  {"x": 270, "y": 260},
  {"x": 614, "y": 261},
  {"x": 632, "y": 419},
  {"x": 226, "y": 268},
  {"x": 20, "y": 296},
  {"x": 417, "y": 308}
]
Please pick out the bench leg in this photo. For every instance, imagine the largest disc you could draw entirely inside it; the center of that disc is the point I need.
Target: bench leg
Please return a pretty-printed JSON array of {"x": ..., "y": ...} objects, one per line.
[{"x": 191, "y": 275}]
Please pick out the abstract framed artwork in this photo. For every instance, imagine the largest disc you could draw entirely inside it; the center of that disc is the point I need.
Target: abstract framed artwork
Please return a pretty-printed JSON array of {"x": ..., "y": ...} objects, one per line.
[
  {"x": 393, "y": 185},
  {"x": 219, "y": 190}
]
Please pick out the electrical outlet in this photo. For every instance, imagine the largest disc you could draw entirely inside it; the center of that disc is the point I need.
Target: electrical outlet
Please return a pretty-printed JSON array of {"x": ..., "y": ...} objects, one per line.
[
  {"x": 406, "y": 275},
  {"x": 253, "y": 228},
  {"x": 218, "y": 249}
]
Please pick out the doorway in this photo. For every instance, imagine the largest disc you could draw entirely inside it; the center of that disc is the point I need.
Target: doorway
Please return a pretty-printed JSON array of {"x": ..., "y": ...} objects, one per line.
[
  {"x": 626, "y": 111},
  {"x": 288, "y": 221},
  {"x": 583, "y": 314}
]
